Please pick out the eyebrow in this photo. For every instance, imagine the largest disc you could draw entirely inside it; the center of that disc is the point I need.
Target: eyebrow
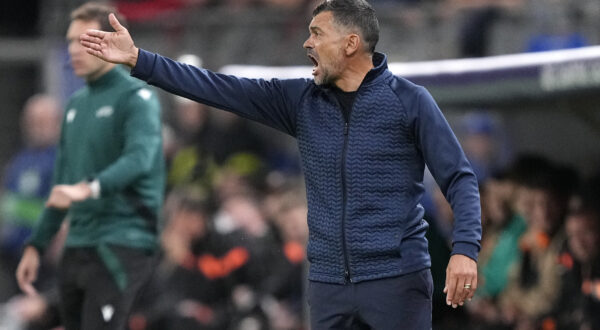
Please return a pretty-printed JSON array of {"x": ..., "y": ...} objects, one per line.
[{"x": 315, "y": 29}]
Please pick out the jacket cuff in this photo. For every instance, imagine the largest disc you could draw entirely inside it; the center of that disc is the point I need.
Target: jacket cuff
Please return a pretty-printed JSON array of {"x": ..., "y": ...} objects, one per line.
[
  {"x": 95, "y": 188},
  {"x": 144, "y": 66},
  {"x": 467, "y": 249}
]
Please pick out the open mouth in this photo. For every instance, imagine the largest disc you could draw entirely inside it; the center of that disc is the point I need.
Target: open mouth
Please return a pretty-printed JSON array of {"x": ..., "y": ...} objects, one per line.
[{"x": 315, "y": 62}]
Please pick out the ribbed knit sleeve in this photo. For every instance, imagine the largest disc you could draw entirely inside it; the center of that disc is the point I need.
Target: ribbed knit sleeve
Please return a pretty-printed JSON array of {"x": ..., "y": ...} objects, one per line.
[
  {"x": 273, "y": 102},
  {"x": 451, "y": 170}
]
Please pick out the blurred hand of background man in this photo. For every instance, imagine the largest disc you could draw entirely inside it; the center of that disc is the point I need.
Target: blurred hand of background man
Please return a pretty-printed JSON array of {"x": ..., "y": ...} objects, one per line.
[
  {"x": 28, "y": 270},
  {"x": 62, "y": 195}
]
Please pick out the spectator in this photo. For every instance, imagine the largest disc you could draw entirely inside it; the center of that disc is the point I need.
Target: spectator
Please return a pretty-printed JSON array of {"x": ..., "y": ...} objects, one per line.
[
  {"x": 579, "y": 300},
  {"x": 506, "y": 202},
  {"x": 478, "y": 20},
  {"x": 27, "y": 182},
  {"x": 531, "y": 291},
  {"x": 481, "y": 136},
  {"x": 200, "y": 267},
  {"x": 193, "y": 162}
]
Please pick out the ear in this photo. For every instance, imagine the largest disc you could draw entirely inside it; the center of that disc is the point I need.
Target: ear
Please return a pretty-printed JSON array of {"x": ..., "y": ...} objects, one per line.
[{"x": 352, "y": 44}]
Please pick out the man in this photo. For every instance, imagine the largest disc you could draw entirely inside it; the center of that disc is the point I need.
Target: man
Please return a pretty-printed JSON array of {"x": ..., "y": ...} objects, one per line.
[
  {"x": 26, "y": 184},
  {"x": 109, "y": 179},
  {"x": 364, "y": 137}
]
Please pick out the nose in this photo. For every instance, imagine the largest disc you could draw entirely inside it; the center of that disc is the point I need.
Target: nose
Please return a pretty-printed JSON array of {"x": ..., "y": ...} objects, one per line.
[
  {"x": 74, "y": 47},
  {"x": 308, "y": 44}
]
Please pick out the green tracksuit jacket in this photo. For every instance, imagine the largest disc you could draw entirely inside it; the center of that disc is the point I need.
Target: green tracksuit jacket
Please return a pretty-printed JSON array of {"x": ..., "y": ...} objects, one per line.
[{"x": 111, "y": 131}]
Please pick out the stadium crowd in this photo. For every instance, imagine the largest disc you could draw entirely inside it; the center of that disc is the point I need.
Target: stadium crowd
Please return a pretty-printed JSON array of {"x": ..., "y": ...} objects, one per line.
[{"x": 234, "y": 232}]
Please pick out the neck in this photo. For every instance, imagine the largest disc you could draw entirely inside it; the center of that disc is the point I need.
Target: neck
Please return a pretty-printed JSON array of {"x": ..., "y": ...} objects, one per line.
[
  {"x": 96, "y": 75},
  {"x": 354, "y": 73}
]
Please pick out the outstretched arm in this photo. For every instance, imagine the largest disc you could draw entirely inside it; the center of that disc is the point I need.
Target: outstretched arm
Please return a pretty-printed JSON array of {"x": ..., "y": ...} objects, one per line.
[
  {"x": 115, "y": 47},
  {"x": 272, "y": 103}
]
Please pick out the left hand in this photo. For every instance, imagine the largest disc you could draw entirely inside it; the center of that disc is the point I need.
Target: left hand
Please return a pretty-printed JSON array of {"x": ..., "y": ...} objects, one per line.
[
  {"x": 62, "y": 195},
  {"x": 461, "y": 272}
]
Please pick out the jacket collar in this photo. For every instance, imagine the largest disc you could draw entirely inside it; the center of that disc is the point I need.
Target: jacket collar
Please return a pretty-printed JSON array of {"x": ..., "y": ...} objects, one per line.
[
  {"x": 107, "y": 79},
  {"x": 375, "y": 74},
  {"x": 379, "y": 68}
]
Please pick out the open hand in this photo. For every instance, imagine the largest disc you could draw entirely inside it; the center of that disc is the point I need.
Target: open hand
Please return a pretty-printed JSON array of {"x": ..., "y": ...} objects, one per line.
[{"x": 115, "y": 47}]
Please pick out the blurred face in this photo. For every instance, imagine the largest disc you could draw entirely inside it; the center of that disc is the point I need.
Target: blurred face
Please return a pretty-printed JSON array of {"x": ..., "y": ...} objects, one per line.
[
  {"x": 495, "y": 199},
  {"x": 190, "y": 116},
  {"x": 584, "y": 236},
  {"x": 84, "y": 65},
  {"x": 188, "y": 224},
  {"x": 479, "y": 146},
  {"x": 293, "y": 224},
  {"x": 523, "y": 201},
  {"x": 41, "y": 122},
  {"x": 325, "y": 48},
  {"x": 546, "y": 211},
  {"x": 246, "y": 214}
]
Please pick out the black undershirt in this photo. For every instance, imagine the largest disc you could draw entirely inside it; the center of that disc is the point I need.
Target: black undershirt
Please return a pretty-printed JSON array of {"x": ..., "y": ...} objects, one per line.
[{"x": 346, "y": 100}]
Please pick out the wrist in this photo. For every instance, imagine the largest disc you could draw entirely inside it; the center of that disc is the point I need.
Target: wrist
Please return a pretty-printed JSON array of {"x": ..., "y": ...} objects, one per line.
[
  {"x": 31, "y": 250},
  {"x": 94, "y": 187},
  {"x": 134, "y": 57}
]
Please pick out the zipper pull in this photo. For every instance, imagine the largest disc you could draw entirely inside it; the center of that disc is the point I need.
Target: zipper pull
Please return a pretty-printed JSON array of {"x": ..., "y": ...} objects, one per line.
[{"x": 346, "y": 128}]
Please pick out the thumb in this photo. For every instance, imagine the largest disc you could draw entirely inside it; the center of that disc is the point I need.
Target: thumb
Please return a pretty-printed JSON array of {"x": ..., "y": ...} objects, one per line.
[
  {"x": 29, "y": 289},
  {"x": 114, "y": 22}
]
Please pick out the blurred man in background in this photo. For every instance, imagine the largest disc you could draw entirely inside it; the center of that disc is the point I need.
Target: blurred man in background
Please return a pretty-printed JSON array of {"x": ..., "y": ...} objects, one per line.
[
  {"x": 109, "y": 179},
  {"x": 26, "y": 183}
]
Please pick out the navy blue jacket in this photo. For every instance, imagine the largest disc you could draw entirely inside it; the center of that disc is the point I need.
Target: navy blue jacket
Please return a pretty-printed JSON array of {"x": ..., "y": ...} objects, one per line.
[{"x": 364, "y": 177}]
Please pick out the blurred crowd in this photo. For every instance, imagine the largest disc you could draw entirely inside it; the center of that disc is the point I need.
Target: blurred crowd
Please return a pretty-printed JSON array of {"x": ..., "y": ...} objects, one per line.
[
  {"x": 549, "y": 24},
  {"x": 234, "y": 231},
  {"x": 539, "y": 266}
]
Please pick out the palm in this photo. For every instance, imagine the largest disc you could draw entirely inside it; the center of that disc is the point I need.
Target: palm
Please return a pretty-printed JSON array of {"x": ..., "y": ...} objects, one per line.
[{"x": 116, "y": 47}]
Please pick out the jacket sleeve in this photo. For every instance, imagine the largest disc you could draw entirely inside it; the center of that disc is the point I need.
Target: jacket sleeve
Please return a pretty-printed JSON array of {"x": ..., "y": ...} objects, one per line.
[
  {"x": 452, "y": 171},
  {"x": 272, "y": 102},
  {"x": 142, "y": 131},
  {"x": 51, "y": 219}
]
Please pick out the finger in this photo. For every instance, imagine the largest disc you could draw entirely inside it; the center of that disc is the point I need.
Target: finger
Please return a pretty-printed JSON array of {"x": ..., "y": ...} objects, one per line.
[
  {"x": 96, "y": 53},
  {"x": 459, "y": 293},
  {"x": 93, "y": 46},
  {"x": 90, "y": 39},
  {"x": 114, "y": 22},
  {"x": 29, "y": 289},
  {"x": 24, "y": 279},
  {"x": 450, "y": 288},
  {"x": 95, "y": 33},
  {"x": 473, "y": 288}
]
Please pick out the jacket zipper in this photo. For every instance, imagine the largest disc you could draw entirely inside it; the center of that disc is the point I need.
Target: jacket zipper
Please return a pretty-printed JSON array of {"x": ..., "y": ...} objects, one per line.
[{"x": 347, "y": 275}]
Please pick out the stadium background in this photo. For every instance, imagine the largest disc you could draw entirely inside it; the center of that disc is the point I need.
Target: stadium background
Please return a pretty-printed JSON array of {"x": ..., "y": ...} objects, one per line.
[{"x": 497, "y": 116}]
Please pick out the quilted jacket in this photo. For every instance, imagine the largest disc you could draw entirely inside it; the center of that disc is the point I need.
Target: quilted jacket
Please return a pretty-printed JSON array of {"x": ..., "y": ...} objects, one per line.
[{"x": 364, "y": 176}]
